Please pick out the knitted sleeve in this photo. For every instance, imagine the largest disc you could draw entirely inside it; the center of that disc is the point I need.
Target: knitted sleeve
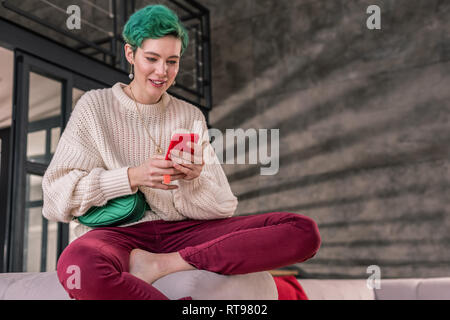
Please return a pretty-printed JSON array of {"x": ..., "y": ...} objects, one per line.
[
  {"x": 209, "y": 196},
  {"x": 76, "y": 179}
]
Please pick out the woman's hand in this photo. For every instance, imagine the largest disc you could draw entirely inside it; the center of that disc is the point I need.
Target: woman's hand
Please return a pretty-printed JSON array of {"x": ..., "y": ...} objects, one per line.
[
  {"x": 189, "y": 164},
  {"x": 151, "y": 174}
]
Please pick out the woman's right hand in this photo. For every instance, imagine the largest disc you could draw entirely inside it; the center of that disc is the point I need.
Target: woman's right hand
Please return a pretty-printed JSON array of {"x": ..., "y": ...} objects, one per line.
[{"x": 151, "y": 174}]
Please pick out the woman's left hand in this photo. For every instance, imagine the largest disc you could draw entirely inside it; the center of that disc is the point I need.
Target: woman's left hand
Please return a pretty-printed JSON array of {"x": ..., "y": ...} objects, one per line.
[{"x": 190, "y": 164}]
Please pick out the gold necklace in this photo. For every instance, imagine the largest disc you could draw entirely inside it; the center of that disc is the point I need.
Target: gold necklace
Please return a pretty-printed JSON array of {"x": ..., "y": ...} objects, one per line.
[{"x": 158, "y": 146}]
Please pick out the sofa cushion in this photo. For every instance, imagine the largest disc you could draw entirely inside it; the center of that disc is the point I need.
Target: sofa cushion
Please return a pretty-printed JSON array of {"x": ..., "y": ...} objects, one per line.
[
  {"x": 337, "y": 289},
  {"x": 397, "y": 289},
  {"x": 205, "y": 285},
  {"x": 414, "y": 289},
  {"x": 31, "y": 286},
  {"x": 434, "y": 289}
]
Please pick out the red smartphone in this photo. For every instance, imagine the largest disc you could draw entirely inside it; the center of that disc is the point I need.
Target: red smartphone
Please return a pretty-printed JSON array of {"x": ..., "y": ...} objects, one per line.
[{"x": 179, "y": 142}]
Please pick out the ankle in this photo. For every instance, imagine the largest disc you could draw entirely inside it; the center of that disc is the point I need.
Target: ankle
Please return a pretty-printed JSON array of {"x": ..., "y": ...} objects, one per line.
[
  {"x": 172, "y": 262},
  {"x": 163, "y": 263}
]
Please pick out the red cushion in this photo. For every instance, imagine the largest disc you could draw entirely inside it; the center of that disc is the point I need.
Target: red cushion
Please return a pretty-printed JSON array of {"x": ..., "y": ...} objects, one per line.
[{"x": 289, "y": 288}]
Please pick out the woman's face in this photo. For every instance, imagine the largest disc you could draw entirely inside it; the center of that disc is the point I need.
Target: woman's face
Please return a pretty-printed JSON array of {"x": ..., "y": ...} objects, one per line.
[{"x": 156, "y": 65}]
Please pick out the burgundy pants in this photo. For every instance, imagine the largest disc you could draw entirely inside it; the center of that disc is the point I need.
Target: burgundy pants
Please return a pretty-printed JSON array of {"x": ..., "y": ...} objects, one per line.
[{"x": 236, "y": 245}]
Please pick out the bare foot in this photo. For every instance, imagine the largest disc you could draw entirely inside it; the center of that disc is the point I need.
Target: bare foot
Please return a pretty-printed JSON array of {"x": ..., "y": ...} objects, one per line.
[
  {"x": 150, "y": 267},
  {"x": 145, "y": 265}
]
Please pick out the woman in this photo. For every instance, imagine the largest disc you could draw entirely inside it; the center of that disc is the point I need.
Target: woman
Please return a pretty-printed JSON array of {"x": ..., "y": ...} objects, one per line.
[{"x": 114, "y": 144}]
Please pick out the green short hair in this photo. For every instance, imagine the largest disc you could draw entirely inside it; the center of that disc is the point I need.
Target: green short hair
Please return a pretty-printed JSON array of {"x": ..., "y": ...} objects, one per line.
[{"x": 154, "y": 22}]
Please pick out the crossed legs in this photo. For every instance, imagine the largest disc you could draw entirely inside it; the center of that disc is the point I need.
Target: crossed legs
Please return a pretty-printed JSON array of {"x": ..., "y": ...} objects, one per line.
[{"x": 112, "y": 268}]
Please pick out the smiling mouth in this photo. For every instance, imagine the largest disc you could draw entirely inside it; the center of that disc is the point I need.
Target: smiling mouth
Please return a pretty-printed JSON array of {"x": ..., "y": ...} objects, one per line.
[{"x": 156, "y": 83}]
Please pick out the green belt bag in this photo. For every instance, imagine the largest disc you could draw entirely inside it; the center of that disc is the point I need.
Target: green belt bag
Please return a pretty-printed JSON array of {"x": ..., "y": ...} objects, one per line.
[{"x": 123, "y": 210}]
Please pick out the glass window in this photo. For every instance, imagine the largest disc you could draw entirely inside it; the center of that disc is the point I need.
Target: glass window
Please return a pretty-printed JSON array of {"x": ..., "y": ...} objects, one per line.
[
  {"x": 44, "y": 115},
  {"x": 41, "y": 235},
  {"x": 44, "y": 131}
]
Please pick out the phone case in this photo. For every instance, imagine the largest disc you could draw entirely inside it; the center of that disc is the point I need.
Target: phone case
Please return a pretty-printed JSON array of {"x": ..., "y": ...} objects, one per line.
[{"x": 179, "y": 142}]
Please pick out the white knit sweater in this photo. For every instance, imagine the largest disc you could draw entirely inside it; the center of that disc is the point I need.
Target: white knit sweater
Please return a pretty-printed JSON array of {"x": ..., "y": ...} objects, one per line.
[{"x": 105, "y": 136}]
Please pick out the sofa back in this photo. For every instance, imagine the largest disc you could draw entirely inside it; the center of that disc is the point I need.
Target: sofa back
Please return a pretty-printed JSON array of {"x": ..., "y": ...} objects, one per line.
[{"x": 390, "y": 289}]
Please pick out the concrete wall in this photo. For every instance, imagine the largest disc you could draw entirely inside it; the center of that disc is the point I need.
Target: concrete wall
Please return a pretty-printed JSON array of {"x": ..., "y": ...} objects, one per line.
[{"x": 364, "y": 119}]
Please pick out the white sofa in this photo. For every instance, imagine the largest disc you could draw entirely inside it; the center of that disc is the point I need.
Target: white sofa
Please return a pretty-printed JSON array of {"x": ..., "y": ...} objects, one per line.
[
  {"x": 205, "y": 285},
  {"x": 198, "y": 284},
  {"x": 390, "y": 289}
]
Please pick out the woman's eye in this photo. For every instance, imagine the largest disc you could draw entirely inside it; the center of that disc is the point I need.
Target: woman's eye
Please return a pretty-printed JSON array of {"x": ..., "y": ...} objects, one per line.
[{"x": 154, "y": 60}]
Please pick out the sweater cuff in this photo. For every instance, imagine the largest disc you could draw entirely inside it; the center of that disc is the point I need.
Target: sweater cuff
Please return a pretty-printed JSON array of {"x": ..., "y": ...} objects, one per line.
[
  {"x": 191, "y": 185},
  {"x": 114, "y": 183},
  {"x": 202, "y": 185}
]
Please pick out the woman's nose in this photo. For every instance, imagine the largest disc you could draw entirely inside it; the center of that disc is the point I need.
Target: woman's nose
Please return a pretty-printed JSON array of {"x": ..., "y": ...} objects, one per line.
[{"x": 161, "y": 69}]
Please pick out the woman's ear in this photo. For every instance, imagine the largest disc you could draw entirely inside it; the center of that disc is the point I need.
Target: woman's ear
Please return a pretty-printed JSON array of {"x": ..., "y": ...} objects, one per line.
[{"x": 129, "y": 53}]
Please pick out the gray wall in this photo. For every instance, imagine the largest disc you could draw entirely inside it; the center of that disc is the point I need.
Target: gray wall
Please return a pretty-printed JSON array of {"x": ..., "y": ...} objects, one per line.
[{"x": 364, "y": 119}]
